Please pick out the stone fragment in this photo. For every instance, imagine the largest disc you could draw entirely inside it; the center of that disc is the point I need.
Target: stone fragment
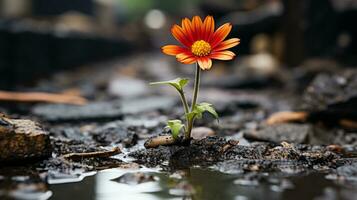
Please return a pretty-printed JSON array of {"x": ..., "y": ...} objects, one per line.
[
  {"x": 147, "y": 104},
  {"x": 92, "y": 111},
  {"x": 294, "y": 133},
  {"x": 102, "y": 111},
  {"x": 202, "y": 132},
  {"x": 348, "y": 172},
  {"x": 127, "y": 87},
  {"x": 22, "y": 139},
  {"x": 113, "y": 133},
  {"x": 332, "y": 96},
  {"x": 135, "y": 178}
]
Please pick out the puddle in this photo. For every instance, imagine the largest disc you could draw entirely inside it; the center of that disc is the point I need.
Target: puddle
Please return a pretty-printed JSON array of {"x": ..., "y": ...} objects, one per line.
[{"x": 199, "y": 184}]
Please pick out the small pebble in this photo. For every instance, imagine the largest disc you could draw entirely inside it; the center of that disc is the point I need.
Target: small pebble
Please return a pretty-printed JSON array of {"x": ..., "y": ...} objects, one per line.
[{"x": 202, "y": 132}]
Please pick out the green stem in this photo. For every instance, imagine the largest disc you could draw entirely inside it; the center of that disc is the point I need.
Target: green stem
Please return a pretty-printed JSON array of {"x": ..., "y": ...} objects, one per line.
[
  {"x": 185, "y": 105},
  {"x": 194, "y": 101},
  {"x": 189, "y": 129},
  {"x": 196, "y": 86},
  {"x": 184, "y": 101}
]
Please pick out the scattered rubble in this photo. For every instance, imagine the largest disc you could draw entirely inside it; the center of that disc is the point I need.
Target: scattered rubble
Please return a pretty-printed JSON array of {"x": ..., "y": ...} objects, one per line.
[{"x": 257, "y": 157}]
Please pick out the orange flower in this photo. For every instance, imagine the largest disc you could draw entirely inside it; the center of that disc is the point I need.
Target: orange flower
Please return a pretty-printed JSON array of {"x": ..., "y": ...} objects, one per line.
[{"x": 201, "y": 43}]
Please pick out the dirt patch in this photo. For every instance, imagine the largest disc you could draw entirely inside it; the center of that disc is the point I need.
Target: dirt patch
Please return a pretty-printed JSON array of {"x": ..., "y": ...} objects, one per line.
[{"x": 258, "y": 156}]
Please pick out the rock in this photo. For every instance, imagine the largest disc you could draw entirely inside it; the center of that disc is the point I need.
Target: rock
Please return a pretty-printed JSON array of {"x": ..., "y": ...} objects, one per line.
[
  {"x": 114, "y": 133},
  {"x": 348, "y": 172},
  {"x": 102, "y": 111},
  {"x": 202, "y": 132},
  {"x": 309, "y": 69},
  {"x": 127, "y": 87},
  {"x": 332, "y": 96},
  {"x": 22, "y": 139},
  {"x": 71, "y": 132},
  {"x": 294, "y": 133},
  {"x": 147, "y": 104},
  {"x": 135, "y": 178},
  {"x": 284, "y": 152},
  {"x": 97, "y": 111}
]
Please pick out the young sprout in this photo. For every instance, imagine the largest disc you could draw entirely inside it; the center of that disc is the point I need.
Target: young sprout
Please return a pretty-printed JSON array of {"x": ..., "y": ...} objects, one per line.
[{"x": 201, "y": 43}]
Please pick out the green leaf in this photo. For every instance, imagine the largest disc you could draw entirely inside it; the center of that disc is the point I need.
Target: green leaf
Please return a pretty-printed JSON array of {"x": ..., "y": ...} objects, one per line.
[
  {"x": 201, "y": 108},
  {"x": 191, "y": 115},
  {"x": 178, "y": 83},
  {"x": 175, "y": 127}
]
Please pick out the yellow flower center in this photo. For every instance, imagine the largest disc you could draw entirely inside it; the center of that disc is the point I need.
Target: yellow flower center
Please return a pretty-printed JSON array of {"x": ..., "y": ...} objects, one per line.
[{"x": 201, "y": 48}]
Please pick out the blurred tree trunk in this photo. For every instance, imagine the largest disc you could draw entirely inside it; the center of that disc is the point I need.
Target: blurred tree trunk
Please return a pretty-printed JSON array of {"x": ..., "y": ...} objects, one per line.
[{"x": 293, "y": 29}]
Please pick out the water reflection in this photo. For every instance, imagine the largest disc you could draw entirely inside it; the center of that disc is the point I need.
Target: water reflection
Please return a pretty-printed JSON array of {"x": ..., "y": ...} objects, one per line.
[
  {"x": 197, "y": 184},
  {"x": 79, "y": 190},
  {"x": 107, "y": 189}
]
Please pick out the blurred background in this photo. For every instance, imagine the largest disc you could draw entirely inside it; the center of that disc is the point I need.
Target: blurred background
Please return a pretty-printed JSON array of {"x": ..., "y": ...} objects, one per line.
[{"x": 40, "y": 37}]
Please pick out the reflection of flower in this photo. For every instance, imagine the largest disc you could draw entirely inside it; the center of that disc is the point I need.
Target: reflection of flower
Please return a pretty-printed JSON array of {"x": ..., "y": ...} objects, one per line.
[{"x": 201, "y": 42}]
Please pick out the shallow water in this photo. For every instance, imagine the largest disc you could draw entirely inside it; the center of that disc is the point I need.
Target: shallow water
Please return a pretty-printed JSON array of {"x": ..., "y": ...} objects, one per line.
[{"x": 199, "y": 184}]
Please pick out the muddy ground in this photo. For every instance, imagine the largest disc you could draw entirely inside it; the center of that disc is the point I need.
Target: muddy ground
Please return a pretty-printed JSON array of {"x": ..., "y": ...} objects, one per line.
[{"x": 123, "y": 111}]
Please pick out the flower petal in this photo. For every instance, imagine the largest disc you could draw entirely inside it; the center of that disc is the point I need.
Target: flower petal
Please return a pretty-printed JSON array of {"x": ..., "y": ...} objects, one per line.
[
  {"x": 172, "y": 50},
  {"x": 227, "y": 44},
  {"x": 205, "y": 63},
  {"x": 180, "y": 36},
  {"x": 220, "y": 34},
  {"x": 186, "y": 58},
  {"x": 222, "y": 55},
  {"x": 189, "y": 60},
  {"x": 183, "y": 55},
  {"x": 208, "y": 28},
  {"x": 188, "y": 29},
  {"x": 197, "y": 27}
]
